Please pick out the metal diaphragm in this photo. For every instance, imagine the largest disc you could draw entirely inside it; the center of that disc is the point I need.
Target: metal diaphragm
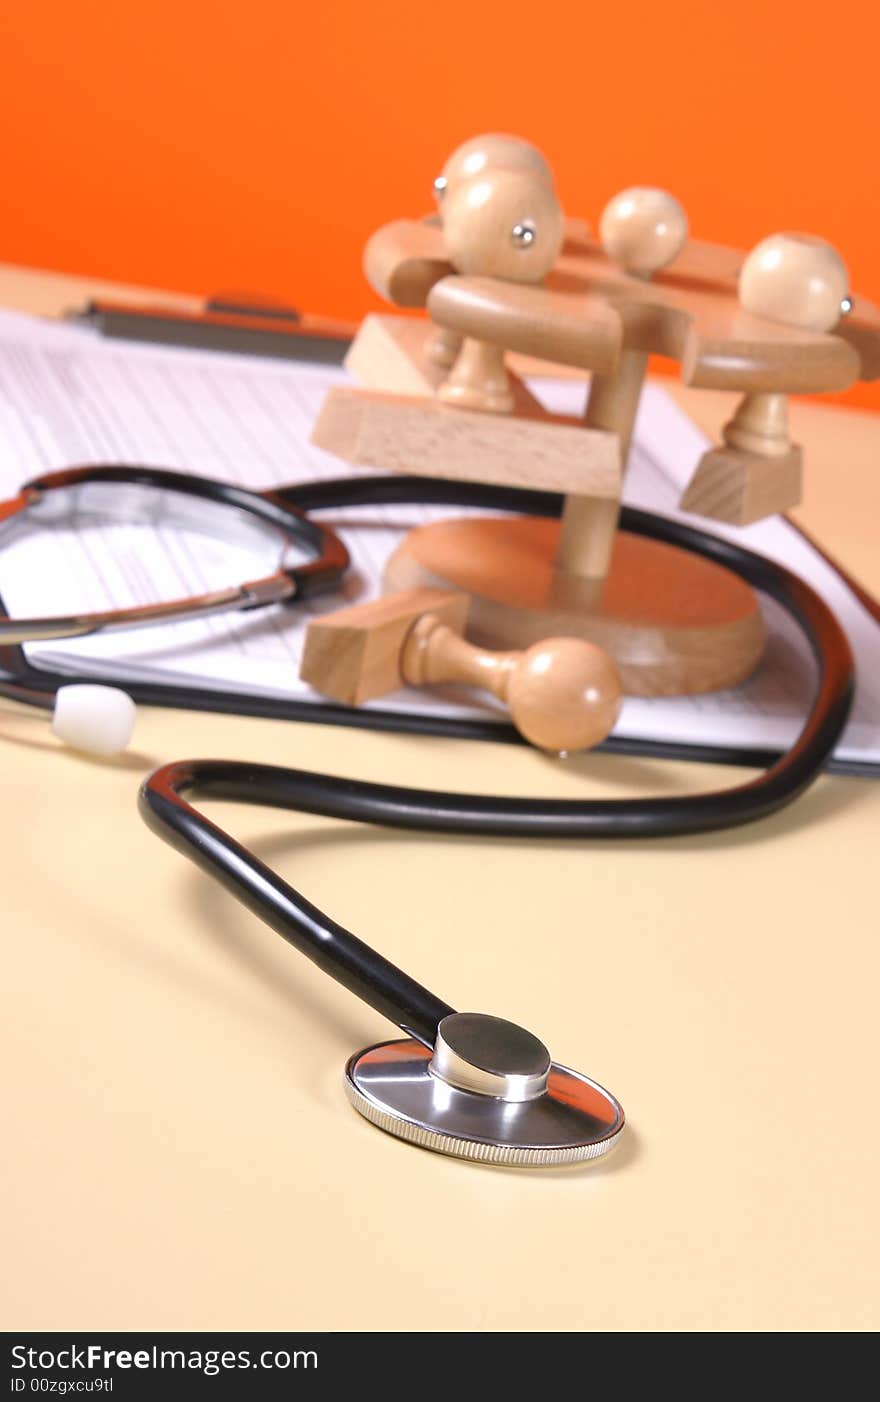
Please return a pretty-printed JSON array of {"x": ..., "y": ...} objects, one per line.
[{"x": 487, "y": 1092}]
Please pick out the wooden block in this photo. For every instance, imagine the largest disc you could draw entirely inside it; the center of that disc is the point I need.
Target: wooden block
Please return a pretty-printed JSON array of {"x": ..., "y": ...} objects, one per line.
[
  {"x": 388, "y": 353},
  {"x": 737, "y": 487},
  {"x": 529, "y": 448},
  {"x": 355, "y": 655}
]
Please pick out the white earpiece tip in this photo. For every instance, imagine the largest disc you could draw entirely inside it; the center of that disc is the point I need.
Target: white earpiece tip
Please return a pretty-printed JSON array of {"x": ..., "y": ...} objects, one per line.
[{"x": 96, "y": 719}]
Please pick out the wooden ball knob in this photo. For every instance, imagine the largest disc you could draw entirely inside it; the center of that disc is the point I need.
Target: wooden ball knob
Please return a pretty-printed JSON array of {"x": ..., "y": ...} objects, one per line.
[
  {"x": 504, "y": 224},
  {"x": 564, "y": 694},
  {"x": 643, "y": 230},
  {"x": 492, "y": 151},
  {"x": 796, "y": 279}
]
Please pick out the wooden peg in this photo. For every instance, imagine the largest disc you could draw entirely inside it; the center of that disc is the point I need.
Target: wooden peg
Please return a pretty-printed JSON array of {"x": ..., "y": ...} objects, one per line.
[
  {"x": 503, "y": 224},
  {"x": 442, "y": 348},
  {"x": 802, "y": 282},
  {"x": 642, "y": 230},
  {"x": 563, "y": 694}
]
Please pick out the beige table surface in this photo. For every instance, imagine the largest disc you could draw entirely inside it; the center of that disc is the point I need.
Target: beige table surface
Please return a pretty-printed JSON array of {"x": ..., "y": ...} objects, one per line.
[{"x": 178, "y": 1152}]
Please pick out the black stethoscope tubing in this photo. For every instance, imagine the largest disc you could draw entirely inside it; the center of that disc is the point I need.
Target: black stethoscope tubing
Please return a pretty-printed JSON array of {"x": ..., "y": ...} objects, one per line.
[
  {"x": 168, "y": 797},
  {"x": 164, "y": 795}
]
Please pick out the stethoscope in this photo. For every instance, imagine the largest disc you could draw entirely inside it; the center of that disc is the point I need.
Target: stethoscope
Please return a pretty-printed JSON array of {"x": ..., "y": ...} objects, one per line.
[{"x": 465, "y": 1084}]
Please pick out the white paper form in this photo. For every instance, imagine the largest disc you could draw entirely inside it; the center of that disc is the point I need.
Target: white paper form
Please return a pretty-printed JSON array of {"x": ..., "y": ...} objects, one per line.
[{"x": 68, "y": 397}]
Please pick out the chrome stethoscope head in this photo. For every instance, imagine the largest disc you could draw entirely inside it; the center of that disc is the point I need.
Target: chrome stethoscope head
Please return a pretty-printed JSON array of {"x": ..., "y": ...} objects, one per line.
[
  {"x": 464, "y": 1084},
  {"x": 487, "y": 1091}
]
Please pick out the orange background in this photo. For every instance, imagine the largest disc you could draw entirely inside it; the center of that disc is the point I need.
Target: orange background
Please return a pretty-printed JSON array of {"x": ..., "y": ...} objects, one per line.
[{"x": 201, "y": 144}]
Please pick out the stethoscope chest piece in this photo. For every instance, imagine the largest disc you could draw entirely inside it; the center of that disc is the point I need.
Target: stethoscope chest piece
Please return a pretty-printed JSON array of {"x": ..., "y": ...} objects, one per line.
[{"x": 488, "y": 1091}]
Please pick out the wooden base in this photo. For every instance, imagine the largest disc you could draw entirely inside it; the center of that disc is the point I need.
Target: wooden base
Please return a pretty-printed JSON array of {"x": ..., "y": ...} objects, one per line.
[{"x": 674, "y": 623}]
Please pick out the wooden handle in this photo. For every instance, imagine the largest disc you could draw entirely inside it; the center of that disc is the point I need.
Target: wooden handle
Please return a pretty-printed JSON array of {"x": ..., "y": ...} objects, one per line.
[
  {"x": 501, "y": 223},
  {"x": 564, "y": 694},
  {"x": 760, "y": 425},
  {"x": 488, "y": 152},
  {"x": 480, "y": 156},
  {"x": 802, "y": 282},
  {"x": 642, "y": 230}
]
